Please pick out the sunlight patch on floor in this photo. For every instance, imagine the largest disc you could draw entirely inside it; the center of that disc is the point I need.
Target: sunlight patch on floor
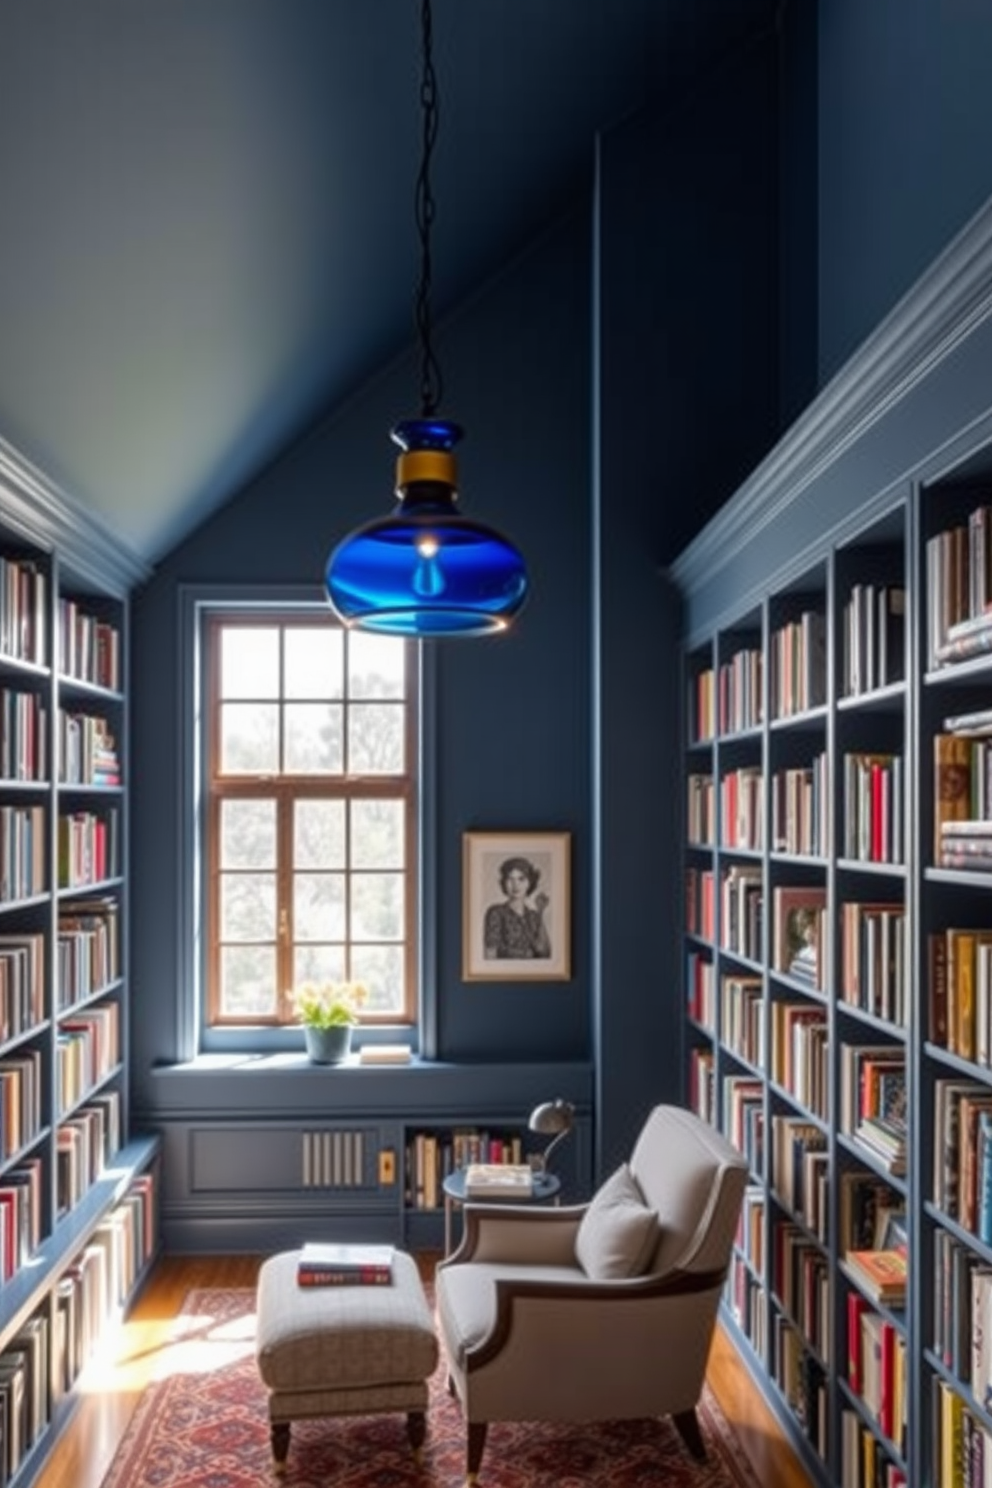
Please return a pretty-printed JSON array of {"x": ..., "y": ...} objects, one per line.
[{"x": 185, "y": 1344}]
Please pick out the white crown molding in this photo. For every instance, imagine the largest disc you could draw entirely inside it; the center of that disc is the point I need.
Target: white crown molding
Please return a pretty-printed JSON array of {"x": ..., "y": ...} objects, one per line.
[
  {"x": 48, "y": 517},
  {"x": 945, "y": 305}
]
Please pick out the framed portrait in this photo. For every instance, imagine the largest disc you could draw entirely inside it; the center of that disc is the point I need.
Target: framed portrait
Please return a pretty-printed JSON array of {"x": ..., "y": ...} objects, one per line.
[{"x": 516, "y": 907}]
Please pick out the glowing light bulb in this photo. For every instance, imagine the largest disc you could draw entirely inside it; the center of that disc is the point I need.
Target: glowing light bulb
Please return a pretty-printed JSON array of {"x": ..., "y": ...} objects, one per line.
[{"x": 428, "y": 580}]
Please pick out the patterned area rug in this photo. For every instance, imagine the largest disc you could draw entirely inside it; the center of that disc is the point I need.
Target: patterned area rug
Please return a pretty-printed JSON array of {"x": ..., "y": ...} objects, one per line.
[{"x": 203, "y": 1424}]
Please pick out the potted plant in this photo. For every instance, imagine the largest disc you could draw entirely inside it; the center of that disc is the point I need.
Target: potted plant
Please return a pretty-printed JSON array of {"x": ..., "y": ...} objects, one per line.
[{"x": 328, "y": 1012}]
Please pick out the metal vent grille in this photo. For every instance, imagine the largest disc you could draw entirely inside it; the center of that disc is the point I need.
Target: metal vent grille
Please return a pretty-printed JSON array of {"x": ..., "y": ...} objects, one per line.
[{"x": 337, "y": 1159}]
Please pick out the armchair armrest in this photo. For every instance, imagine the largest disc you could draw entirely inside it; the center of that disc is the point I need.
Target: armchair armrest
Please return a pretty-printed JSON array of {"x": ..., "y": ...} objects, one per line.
[
  {"x": 634, "y": 1294},
  {"x": 500, "y": 1233}
]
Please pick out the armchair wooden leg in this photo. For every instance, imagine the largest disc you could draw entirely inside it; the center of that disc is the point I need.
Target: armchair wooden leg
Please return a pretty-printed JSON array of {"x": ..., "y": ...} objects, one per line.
[
  {"x": 476, "y": 1447},
  {"x": 280, "y": 1445},
  {"x": 687, "y": 1425},
  {"x": 416, "y": 1430}
]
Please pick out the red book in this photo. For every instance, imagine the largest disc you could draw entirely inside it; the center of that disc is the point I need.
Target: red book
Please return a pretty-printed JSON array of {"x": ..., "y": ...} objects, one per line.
[{"x": 886, "y": 1409}]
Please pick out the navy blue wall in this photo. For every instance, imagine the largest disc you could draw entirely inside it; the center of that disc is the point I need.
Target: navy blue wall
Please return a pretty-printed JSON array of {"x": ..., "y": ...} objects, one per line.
[
  {"x": 905, "y": 155},
  {"x": 687, "y": 259},
  {"x": 512, "y": 719}
]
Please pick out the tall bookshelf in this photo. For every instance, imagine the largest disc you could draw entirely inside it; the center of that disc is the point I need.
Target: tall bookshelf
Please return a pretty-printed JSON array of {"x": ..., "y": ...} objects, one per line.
[
  {"x": 838, "y": 891},
  {"x": 78, "y": 1191}
]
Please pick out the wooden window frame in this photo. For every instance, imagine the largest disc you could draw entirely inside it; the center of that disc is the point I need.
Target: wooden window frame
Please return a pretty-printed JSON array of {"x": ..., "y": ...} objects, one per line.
[{"x": 285, "y": 790}]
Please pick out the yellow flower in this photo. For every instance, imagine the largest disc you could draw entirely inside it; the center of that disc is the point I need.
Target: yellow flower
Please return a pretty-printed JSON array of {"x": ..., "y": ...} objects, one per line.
[{"x": 328, "y": 1004}]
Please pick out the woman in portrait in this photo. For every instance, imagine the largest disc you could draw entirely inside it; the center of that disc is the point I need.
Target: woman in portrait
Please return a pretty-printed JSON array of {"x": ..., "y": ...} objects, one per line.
[{"x": 515, "y": 930}]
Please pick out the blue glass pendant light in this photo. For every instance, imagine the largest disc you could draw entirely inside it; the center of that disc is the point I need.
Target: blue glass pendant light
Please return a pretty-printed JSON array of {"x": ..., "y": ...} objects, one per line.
[{"x": 425, "y": 570}]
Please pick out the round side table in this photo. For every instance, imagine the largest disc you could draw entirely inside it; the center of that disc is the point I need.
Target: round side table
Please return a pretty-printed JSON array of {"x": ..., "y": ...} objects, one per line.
[{"x": 545, "y": 1188}]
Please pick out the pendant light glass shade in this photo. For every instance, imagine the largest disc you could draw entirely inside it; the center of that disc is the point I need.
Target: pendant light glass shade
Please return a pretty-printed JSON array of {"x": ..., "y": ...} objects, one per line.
[{"x": 426, "y": 570}]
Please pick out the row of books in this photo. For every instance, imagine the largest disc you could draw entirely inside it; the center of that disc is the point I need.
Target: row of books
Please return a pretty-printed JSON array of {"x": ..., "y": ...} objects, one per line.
[
  {"x": 800, "y": 1170},
  {"x": 963, "y": 800},
  {"x": 85, "y": 1144},
  {"x": 873, "y": 959},
  {"x": 41, "y": 1362},
  {"x": 23, "y": 855},
  {"x": 87, "y": 753},
  {"x": 962, "y": 1314},
  {"x": 701, "y": 985},
  {"x": 89, "y": 847},
  {"x": 801, "y": 1378},
  {"x": 964, "y": 1444},
  {"x": 745, "y": 1296},
  {"x": 874, "y": 809},
  {"x": 20, "y": 1215},
  {"x": 800, "y": 1053},
  {"x": 962, "y": 1178},
  {"x": 23, "y": 610},
  {"x": 800, "y": 809},
  {"x": 740, "y": 699},
  {"x": 742, "y": 1025},
  {"x": 741, "y": 910},
  {"x": 87, "y": 956},
  {"x": 432, "y": 1155},
  {"x": 798, "y": 655},
  {"x": 700, "y": 821},
  {"x": 744, "y": 1118},
  {"x": 960, "y": 992},
  {"x": 872, "y": 1083},
  {"x": 873, "y": 638},
  {"x": 87, "y": 1050},
  {"x": 700, "y": 902},
  {"x": 750, "y": 1236},
  {"x": 89, "y": 647},
  {"x": 20, "y": 1100},
  {"x": 22, "y": 983},
  {"x": 864, "y": 1462},
  {"x": 742, "y": 808},
  {"x": 876, "y": 1367},
  {"x": 959, "y": 594},
  {"x": 23, "y": 735},
  {"x": 800, "y": 1279}
]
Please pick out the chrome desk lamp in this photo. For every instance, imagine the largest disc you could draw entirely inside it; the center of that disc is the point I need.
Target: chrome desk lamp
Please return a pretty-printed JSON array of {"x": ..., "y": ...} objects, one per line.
[{"x": 555, "y": 1119}]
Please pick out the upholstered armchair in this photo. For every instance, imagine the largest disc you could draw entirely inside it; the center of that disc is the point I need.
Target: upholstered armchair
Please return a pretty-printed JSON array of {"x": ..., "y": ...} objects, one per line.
[{"x": 597, "y": 1312}]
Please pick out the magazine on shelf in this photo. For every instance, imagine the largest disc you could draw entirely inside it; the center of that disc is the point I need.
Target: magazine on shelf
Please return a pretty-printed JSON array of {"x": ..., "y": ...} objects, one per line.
[{"x": 498, "y": 1181}]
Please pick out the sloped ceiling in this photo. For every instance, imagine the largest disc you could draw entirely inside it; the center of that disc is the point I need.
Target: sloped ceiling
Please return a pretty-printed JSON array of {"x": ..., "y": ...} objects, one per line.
[{"x": 206, "y": 209}]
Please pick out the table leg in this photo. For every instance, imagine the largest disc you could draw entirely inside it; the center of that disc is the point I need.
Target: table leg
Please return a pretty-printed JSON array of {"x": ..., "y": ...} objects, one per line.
[{"x": 447, "y": 1224}]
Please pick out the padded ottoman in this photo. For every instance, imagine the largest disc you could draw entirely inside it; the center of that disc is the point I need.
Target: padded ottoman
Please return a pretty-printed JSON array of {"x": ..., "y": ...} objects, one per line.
[{"x": 343, "y": 1350}]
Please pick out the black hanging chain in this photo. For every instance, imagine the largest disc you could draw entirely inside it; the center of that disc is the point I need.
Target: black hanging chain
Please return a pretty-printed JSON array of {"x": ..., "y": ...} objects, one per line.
[{"x": 430, "y": 372}]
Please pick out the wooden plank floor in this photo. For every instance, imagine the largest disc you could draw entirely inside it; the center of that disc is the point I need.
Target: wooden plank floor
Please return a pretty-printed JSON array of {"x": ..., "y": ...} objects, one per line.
[{"x": 113, "y": 1386}]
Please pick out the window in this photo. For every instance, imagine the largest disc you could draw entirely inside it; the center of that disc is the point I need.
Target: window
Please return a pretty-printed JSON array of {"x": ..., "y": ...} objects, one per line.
[{"x": 310, "y": 822}]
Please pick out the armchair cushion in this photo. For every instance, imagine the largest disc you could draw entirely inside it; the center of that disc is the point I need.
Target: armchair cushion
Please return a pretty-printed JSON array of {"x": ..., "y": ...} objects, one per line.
[{"x": 618, "y": 1233}]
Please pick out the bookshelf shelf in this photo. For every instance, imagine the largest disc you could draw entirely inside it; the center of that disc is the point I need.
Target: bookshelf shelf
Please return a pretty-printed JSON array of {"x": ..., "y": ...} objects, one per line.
[
  {"x": 889, "y": 780},
  {"x": 63, "y": 1075}
]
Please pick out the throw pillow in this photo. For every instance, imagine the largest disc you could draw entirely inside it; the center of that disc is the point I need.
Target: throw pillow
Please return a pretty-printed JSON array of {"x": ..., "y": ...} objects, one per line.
[{"x": 617, "y": 1235}]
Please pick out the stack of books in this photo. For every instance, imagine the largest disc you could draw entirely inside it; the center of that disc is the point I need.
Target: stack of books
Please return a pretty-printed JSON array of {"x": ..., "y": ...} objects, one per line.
[
  {"x": 881, "y": 1273},
  {"x": 498, "y": 1181},
  {"x": 329, "y": 1264},
  {"x": 885, "y": 1137}
]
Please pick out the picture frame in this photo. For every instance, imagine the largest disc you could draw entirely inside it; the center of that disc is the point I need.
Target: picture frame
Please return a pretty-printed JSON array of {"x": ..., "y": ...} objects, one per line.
[
  {"x": 516, "y": 907},
  {"x": 799, "y": 937}
]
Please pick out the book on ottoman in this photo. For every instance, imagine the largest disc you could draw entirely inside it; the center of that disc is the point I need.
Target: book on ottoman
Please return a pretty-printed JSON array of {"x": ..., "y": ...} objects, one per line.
[
  {"x": 325, "y": 1263},
  {"x": 498, "y": 1181}
]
